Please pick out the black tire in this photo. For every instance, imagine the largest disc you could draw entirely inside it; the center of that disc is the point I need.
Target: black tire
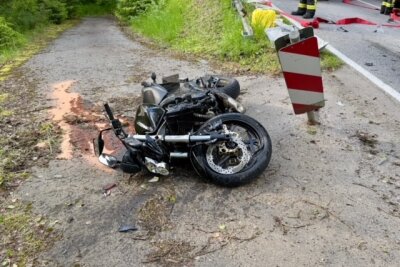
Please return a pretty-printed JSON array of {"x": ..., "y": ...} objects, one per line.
[{"x": 257, "y": 163}]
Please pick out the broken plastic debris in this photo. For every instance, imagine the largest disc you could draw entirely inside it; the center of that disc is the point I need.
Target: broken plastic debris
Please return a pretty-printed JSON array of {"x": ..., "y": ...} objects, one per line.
[
  {"x": 109, "y": 186},
  {"x": 107, "y": 189},
  {"x": 127, "y": 228},
  {"x": 143, "y": 186},
  {"x": 340, "y": 103},
  {"x": 154, "y": 179}
]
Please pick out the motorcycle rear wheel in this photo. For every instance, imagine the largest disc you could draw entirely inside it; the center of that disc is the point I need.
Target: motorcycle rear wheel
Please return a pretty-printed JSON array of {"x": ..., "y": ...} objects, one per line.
[{"x": 239, "y": 161}]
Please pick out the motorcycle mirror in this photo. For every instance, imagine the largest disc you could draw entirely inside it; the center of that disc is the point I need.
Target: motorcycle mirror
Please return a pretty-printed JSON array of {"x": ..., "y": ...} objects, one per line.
[
  {"x": 154, "y": 77},
  {"x": 98, "y": 145},
  {"x": 108, "y": 160}
]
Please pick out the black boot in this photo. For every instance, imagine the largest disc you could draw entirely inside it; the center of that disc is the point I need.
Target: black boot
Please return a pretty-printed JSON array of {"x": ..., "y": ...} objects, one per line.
[
  {"x": 309, "y": 14},
  {"x": 299, "y": 12},
  {"x": 383, "y": 8},
  {"x": 388, "y": 10}
]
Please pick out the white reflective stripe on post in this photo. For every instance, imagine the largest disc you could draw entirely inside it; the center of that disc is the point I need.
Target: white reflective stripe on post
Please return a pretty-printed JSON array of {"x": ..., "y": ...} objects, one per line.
[
  {"x": 305, "y": 97},
  {"x": 300, "y": 64}
]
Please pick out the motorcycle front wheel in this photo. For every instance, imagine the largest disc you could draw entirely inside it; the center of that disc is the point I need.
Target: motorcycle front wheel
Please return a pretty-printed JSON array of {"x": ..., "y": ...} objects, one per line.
[{"x": 238, "y": 161}]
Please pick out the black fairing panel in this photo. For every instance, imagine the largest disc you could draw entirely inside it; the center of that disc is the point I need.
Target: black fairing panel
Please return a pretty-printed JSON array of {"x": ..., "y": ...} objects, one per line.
[
  {"x": 154, "y": 94},
  {"x": 148, "y": 118}
]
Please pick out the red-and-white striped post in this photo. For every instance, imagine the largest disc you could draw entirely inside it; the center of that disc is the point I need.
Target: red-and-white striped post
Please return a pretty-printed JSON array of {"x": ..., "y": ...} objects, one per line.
[{"x": 301, "y": 68}]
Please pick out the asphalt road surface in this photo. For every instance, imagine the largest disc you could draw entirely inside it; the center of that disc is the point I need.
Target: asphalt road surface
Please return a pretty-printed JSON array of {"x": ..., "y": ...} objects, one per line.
[
  {"x": 330, "y": 196},
  {"x": 376, "y": 48}
]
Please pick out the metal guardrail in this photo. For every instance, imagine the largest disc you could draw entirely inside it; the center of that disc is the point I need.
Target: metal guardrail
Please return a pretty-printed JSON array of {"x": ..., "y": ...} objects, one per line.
[{"x": 247, "y": 29}]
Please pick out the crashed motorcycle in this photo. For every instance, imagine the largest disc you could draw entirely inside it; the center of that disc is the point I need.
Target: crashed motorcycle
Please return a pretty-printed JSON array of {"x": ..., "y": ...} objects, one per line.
[{"x": 206, "y": 126}]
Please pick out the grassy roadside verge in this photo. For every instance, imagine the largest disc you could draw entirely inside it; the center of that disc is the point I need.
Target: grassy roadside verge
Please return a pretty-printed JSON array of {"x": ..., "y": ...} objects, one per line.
[
  {"x": 24, "y": 235},
  {"x": 212, "y": 30},
  {"x": 35, "y": 41},
  {"x": 27, "y": 139}
]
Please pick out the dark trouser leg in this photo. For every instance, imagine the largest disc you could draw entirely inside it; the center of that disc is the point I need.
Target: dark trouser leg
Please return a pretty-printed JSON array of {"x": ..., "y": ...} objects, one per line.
[
  {"x": 389, "y": 7},
  {"x": 385, "y": 4},
  {"x": 301, "y": 9},
  {"x": 311, "y": 7}
]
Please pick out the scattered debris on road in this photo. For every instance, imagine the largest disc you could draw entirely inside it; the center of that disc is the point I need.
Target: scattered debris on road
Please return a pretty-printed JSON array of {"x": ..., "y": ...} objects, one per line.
[
  {"x": 367, "y": 138},
  {"x": 127, "y": 228}
]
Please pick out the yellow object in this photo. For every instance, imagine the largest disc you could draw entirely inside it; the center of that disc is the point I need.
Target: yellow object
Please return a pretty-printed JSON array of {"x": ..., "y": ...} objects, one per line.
[{"x": 263, "y": 18}]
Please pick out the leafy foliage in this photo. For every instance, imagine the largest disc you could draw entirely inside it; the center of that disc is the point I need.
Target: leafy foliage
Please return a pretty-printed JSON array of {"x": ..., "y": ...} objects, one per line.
[
  {"x": 24, "y": 14},
  {"x": 56, "y": 11},
  {"x": 207, "y": 28},
  {"x": 127, "y": 9},
  {"x": 9, "y": 38},
  {"x": 164, "y": 23}
]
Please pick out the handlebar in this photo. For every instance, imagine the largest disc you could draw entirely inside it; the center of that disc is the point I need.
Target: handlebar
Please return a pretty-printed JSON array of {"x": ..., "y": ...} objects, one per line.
[
  {"x": 116, "y": 124},
  {"x": 108, "y": 111}
]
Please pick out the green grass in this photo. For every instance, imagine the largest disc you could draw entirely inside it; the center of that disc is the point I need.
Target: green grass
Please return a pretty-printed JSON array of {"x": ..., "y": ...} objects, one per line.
[
  {"x": 35, "y": 40},
  {"x": 330, "y": 62},
  {"x": 212, "y": 29},
  {"x": 31, "y": 41},
  {"x": 23, "y": 235},
  {"x": 163, "y": 24},
  {"x": 209, "y": 29}
]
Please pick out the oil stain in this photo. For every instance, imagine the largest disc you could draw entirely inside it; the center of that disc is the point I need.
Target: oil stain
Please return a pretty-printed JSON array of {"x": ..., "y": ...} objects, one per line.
[
  {"x": 80, "y": 125},
  {"x": 64, "y": 100}
]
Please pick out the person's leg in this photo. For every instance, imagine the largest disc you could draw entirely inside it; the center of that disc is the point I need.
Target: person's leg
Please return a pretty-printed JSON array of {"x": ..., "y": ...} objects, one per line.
[
  {"x": 301, "y": 9},
  {"x": 311, "y": 7},
  {"x": 389, "y": 7}
]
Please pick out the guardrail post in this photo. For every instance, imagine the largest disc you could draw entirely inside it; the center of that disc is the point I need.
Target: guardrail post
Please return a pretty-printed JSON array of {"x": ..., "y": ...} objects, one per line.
[{"x": 300, "y": 61}]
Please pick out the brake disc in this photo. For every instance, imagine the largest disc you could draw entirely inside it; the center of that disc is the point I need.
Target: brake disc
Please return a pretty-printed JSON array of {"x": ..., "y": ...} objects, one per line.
[{"x": 243, "y": 159}]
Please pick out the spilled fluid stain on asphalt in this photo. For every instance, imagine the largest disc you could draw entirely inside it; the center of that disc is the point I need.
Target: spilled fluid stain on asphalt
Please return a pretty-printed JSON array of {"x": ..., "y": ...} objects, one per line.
[
  {"x": 64, "y": 100},
  {"x": 69, "y": 104}
]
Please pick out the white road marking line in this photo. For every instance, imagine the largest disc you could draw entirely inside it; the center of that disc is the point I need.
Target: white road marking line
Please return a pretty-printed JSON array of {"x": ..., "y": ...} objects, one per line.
[
  {"x": 385, "y": 87},
  {"x": 375, "y": 80},
  {"x": 369, "y": 4}
]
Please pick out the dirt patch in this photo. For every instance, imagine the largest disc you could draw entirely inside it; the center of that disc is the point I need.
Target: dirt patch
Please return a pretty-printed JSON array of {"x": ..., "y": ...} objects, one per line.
[
  {"x": 24, "y": 234},
  {"x": 154, "y": 215},
  {"x": 170, "y": 253},
  {"x": 367, "y": 139},
  {"x": 27, "y": 137}
]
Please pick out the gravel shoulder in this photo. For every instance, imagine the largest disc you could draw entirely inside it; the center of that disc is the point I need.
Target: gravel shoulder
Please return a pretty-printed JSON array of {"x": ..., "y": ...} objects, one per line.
[{"x": 329, "y": 197}]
